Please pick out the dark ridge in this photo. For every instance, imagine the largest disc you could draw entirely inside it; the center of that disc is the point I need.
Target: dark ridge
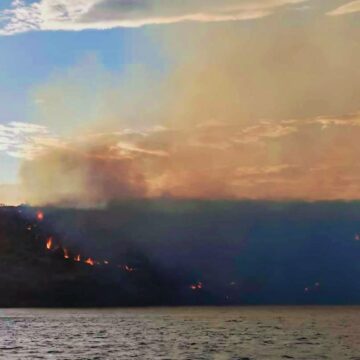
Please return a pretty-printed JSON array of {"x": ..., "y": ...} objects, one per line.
[{"x": 182, "y": 252}]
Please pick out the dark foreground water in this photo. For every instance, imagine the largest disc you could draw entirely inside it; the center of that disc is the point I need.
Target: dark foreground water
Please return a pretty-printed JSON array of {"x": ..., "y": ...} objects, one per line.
[{"x": 182, "y": 333}]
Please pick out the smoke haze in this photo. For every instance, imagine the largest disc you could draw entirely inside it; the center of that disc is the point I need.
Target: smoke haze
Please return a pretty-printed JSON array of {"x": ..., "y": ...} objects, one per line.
[{"x": 262, "y": 110}]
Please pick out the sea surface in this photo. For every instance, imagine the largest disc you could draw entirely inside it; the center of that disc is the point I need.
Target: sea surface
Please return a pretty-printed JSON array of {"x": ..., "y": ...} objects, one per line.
[{"x": 182, "y": 333}]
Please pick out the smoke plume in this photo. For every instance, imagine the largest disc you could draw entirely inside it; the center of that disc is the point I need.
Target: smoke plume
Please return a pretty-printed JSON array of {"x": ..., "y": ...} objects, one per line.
[{"x": 261, "y": 110}]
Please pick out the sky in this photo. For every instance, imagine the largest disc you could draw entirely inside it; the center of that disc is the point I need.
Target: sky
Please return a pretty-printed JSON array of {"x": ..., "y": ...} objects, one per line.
[{"x": 108, "y": 99}]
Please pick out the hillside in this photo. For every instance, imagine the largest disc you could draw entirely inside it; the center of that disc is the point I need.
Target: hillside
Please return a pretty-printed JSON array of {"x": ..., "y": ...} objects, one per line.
[{"x": 164, "y": 252}]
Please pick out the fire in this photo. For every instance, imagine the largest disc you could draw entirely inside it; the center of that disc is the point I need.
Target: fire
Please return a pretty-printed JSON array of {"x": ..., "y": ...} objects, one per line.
[
  {"x": 128, "y": 268},
  {"x": 52, "y": 245},
  {"x": 40, "y": 216},
  {"x": 197, "y": 286},
  {"x": 49, "y": 243},
  {"x": 90, "y": 262}
]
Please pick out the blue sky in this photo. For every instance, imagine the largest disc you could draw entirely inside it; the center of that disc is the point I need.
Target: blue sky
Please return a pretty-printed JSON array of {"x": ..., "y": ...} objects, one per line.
[{"x": 30, "y": 59}]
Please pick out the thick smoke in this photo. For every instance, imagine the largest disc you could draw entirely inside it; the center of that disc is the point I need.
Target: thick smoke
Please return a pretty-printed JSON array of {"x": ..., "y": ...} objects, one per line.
[
  {"x": 85, "y": 176},
  {"x": 261, "y": 110}
]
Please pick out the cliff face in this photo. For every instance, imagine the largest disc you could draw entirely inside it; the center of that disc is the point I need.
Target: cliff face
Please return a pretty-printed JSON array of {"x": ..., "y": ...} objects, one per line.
[{"x": 181, "y": 252}]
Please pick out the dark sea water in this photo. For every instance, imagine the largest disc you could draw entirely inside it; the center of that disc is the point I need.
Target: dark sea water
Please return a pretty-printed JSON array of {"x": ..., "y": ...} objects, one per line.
[{"x": 182, "y": 333}]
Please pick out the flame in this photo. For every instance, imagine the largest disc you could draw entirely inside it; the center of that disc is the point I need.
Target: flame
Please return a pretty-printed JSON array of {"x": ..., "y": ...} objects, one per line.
[
  {"x": 128, "y": 268},
  {"x": 40, "y": 215},
  {"x": 197, "y": 286},
  {"x": 90, "y": 262},
  {"x": 49, "y": 243}
]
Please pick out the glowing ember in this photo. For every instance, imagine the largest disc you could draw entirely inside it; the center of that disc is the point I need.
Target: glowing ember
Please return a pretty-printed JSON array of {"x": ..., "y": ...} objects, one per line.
[
  {"x": 90, "y": 262},
  {"x": 40, "y": 216},
  {"x": 66, "y": 254},
  {"x": 49, "y": 243},
  {"x": 197, "y": 286},
  {"x": 77, "y": 258},
  {"x": 128, "y": 268}
]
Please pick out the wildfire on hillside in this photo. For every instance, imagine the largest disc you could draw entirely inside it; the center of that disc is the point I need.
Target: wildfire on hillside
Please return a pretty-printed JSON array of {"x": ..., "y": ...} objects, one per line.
[
  {"x": 40, "y": 215},
  {"x": 49, "y": 243},
  {"x": 53, "y": 244},
  {"x": 198, "y": 286},
  {"x": 90, "y": 262}
]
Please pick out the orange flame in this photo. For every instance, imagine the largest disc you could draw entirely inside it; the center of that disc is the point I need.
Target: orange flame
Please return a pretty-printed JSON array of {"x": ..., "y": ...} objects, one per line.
[
  {"x": 49, "y": 243},
  {"x": 197, "y": 286},
  {"x": 40, "y": 216},
  {"x": 77, "y": 258},
  {"x": 129, "y": 269},
  {"x": 66, "y": 254},
  {"x": 90, "y": 262}
]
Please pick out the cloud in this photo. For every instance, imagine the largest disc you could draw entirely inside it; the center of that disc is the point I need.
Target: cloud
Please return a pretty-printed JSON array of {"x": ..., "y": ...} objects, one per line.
[
  {"x": 106, "y": 14},
  {"x": 265, "y": 130},
  {"x": 349, "y": 8},
  {"x": 25, "y": 140}
]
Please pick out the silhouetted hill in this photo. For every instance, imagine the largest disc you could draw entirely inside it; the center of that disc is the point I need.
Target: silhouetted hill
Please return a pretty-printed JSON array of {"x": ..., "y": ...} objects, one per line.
[{"x": 157, "y": 252}]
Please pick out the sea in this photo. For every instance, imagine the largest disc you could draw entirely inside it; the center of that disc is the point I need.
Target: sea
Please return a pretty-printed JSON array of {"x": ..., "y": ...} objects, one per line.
[{"x": 193, "y": 333}]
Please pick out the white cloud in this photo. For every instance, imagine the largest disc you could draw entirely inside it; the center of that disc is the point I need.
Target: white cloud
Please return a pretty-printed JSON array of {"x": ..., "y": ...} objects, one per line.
[
  {"x": 264, "y": 130},
  {"x": 349, "y": 8},
  {"x": 25, "y": 140},
  {"x": 126, "y": 148},
  {"x": 263, "y": 171},
  {"x": 106, "y": 14}
]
